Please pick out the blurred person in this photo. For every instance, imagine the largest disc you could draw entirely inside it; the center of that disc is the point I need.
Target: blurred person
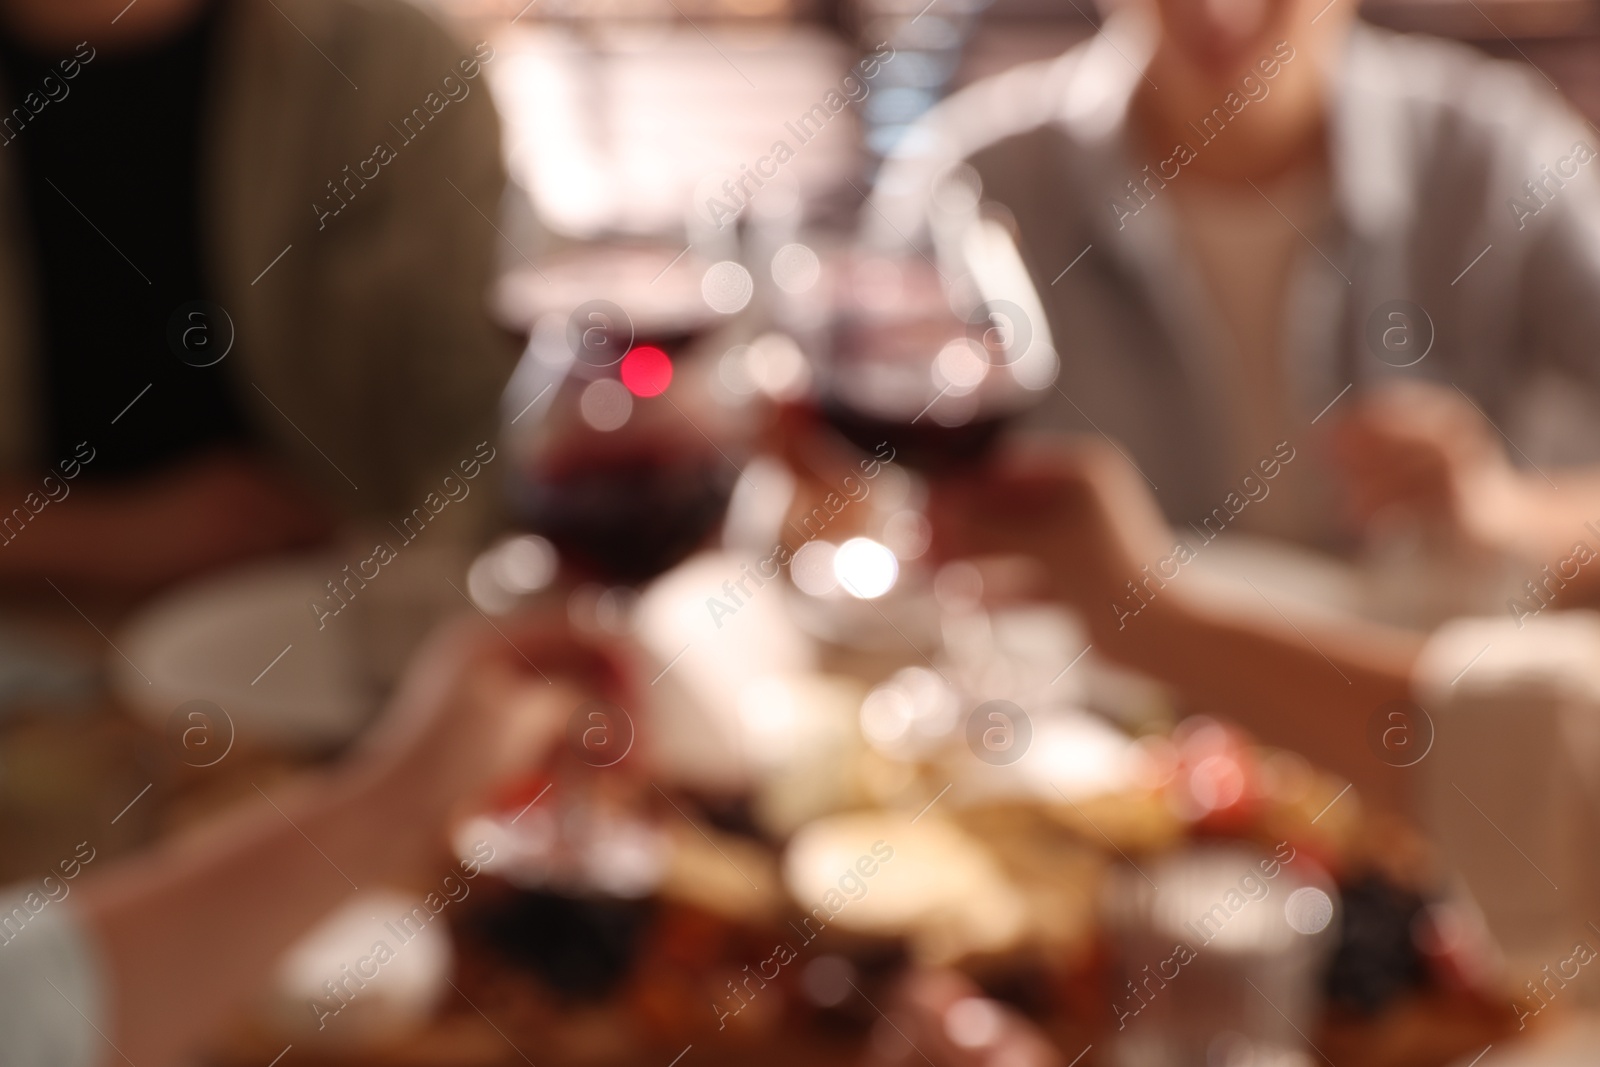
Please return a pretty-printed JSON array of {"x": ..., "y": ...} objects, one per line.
[
  {"x": 1235, "y": 211},
  {"x": 244, "y": 252},
  {"x": 151, "y": 960}
]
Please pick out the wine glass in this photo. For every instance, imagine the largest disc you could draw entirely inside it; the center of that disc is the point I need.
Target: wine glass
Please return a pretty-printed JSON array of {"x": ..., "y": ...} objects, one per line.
[
  {"x": 915, "y": 378},
  {"x": 623, "y": 460},
  {"x": 933, "y": 351},
  {"x": 905, "y": 369},
  {"x": 624, "y": 457}
]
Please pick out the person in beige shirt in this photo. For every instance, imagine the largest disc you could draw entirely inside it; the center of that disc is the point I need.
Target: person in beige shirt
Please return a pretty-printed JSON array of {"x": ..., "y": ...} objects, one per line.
[
  {"x": 1251, "y": 222},
  {"x": 244, "y": 252},
  {"x": 1285, "y": 257}
]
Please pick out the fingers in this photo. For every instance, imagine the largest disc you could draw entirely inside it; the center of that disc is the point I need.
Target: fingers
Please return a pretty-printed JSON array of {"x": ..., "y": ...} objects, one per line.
[
  {"x": 1416, "y": 413},
  {"x": 971, "y": 524},
  {"x": 457, "y": 687},
  {"x": 1079, "y": 507},
  {"x": 1025, "y": 482},
  {"x": 1411, "y": 474},
  {"x": 539, "y": 646},
  {"x": 527, "y": 721},
  {"x": 1097, "y": 488},
  {"x": 480, "y": 704}
]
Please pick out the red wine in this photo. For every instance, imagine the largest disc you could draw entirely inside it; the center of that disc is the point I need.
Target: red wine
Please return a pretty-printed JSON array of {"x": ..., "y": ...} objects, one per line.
[
  {"x": 583, "y": 947},
  {"x": 625, "y": 518},
  {"x": 924, "y": 444}
]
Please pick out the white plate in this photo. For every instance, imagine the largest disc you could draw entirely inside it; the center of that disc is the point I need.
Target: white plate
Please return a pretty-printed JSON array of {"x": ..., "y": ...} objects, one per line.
[{"x": 248, "y": 641}]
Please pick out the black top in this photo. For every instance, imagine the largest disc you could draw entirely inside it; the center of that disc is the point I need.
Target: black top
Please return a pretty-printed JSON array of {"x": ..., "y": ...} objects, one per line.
[{"x": 108, "y": 162}]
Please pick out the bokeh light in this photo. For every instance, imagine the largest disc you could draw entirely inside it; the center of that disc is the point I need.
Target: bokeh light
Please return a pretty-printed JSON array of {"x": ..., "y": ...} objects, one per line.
[
  {"x": 727, "y": 287},
  {"x": 646, "y": 371},
  {"x": 605, "y": 405},
  {"x": 1309, "y": 910},
  {"x": 865, "y": 568}
]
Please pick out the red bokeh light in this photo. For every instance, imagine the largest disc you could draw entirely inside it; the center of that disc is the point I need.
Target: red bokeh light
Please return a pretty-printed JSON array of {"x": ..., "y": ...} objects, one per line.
[{"x": 646, "y": 371}]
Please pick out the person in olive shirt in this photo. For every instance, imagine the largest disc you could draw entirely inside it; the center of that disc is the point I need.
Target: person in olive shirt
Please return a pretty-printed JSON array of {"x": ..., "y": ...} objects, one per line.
[{"x": 244, "y": 247}]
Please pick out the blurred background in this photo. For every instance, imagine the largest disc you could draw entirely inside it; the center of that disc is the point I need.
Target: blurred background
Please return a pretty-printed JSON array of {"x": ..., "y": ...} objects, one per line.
[{"x": 732, "y": 407}]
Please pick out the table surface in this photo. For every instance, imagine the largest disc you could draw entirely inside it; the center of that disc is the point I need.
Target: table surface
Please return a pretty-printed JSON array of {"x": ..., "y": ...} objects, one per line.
[{"x": 87, "y": 770}]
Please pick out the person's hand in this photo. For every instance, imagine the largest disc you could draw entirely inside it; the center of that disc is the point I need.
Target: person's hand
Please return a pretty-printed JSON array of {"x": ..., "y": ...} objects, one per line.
[
  {"x": 221, "y": 508},
  {"x": 1422, "y": 453},
  {"x": 215, "y": 510},
  {"x": 258, "y": 876},
  {"x": 1080, "y": 510},
  {"x": 942, "y": 1017},
  {"x": 478, "y": 705}
]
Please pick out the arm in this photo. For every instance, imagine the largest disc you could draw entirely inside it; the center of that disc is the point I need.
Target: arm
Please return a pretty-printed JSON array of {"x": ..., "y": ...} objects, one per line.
[
  {"x": 135, "y": 536},
  {"x": 1085, "y": 516},
  {"x": 226, "y": 901},
  {"x": 1310, "y": 687},
  {"x": 1429, "y": 454}
]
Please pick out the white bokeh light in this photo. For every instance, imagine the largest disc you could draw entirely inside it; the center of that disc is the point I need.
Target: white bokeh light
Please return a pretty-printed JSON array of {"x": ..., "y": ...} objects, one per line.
[
  {"x": 908, "y": 533},
  {"x": 526, "y": 563},
  {"x": 606, "y": 404},
  {"x": 811, "y": 569},
  {"x": 511, "y": 569},
  {"x": 865, "y": 568},
  {"x": 733, "y": 370},
  {"x": 886, "y": 716},
  {"x": 770, "y": 712},
  {"x": 1309, "y": 910},
  {"x": 777, "y": 366},
  {"x": 973, "y": 1022},
  {"x": 959, "y": 365},
  {"x": 795, "y": 268},
  {"x": 727, "y": 287},
  {"x": 913, "y": 711}
]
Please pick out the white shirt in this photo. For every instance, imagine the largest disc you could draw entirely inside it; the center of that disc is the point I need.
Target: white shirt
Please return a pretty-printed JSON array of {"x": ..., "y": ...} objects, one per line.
[{"x": 53, "y": 1000}]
